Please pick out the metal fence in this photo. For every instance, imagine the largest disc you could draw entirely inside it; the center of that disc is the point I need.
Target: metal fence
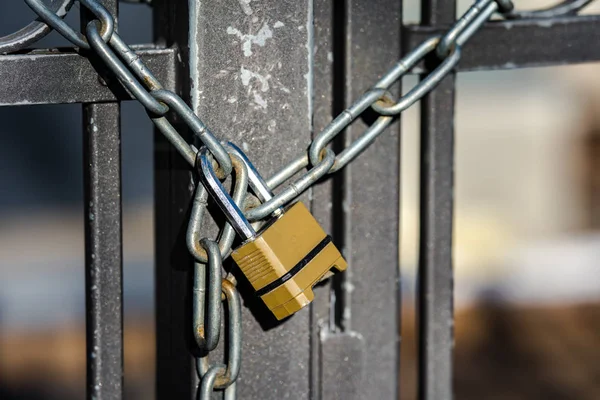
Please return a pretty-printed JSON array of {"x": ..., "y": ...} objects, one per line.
[{"x": 271, "y": 99}]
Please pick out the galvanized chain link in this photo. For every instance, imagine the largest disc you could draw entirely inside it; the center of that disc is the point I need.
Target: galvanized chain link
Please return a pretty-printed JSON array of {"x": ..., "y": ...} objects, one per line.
[
  {"x": 209, "y": 286},
  {"x": 209, "y": 289}
]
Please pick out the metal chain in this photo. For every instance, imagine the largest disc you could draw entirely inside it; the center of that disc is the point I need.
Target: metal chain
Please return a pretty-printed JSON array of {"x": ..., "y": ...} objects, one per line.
[
  {"x": 209, "y": 289},
  {"x": 209, "y": 286}
]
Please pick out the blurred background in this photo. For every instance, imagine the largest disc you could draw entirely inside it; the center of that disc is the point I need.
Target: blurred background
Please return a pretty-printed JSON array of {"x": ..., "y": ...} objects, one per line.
[{"x": 526, "y": 236}]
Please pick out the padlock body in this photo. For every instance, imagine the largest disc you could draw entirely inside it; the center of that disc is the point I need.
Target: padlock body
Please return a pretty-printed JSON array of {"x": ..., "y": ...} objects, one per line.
[{"x": 287, "y": 259}]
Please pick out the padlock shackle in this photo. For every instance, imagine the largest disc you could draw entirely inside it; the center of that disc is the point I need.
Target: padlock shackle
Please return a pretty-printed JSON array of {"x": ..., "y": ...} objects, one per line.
[
  {"x": 215, "y": 188},
  {"x": 255, "y": 180}
]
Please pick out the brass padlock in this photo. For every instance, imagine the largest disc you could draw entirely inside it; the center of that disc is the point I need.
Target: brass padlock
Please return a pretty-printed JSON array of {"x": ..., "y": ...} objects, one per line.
[{"x": 288, "y": 256}]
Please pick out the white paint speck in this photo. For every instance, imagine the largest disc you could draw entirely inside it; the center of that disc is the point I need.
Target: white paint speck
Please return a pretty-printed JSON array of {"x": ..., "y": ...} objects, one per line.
[
  {"x": 221, "y": 74},
  {"x": 258, "y": 99},
  {"x": 348, "y": 286},
  {"x": 246, "y": 75},
  {"x": 248, "y": 40},
  {"x": 278, "y": 24},
  {"x": 245, "y": 4},
  {"x": 245, "y": 146},
  {"x": 347, "y": 314}
]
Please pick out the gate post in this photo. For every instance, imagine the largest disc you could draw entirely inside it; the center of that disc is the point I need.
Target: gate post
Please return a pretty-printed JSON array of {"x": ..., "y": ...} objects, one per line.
[{"x": 252, "y": 79}]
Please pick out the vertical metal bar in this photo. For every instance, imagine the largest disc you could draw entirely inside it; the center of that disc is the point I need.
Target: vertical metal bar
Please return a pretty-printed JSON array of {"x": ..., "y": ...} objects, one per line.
[
  {"x": 371, "y": 202},
  {"x": 363, "y": 306},
  {"x": 103, "y": 243},
  {"x": 173, "y": 188},
  {"x": 435, "y": 298},
  {"x": 104, "y": 288},
  {"x": 322, "y": 194},
  {"x": 358, "y": 321}
]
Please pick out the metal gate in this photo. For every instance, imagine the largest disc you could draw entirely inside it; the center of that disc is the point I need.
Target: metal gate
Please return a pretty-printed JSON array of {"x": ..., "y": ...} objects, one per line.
[{"x": 269, "y": 75}]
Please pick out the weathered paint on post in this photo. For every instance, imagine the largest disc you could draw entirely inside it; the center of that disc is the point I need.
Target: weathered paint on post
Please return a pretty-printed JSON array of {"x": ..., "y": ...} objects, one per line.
[
  {"x": 249, "y": 78},
  {"x": 256, "y": 90}
]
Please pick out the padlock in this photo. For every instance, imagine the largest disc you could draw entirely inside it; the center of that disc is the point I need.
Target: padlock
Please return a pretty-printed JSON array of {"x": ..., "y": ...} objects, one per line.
[{"x": 287, "y": 256}]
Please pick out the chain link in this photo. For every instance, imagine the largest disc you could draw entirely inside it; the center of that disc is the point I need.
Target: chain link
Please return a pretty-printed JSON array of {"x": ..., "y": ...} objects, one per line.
[
  {"x": 199, "y": 207},
  {"x": 223, "y": 376},
  {"x": 210, "y": 289}
]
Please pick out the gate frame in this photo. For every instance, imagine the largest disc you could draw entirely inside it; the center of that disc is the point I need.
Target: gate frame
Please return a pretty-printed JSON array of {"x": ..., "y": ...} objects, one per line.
[{"x": 356, "y": 316}]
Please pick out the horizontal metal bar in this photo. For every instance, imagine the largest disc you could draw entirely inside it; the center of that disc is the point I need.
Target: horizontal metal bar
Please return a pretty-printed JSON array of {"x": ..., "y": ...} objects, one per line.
[
  {"x": 51, "y": 77},
  {"x": 520, "y": 44}
]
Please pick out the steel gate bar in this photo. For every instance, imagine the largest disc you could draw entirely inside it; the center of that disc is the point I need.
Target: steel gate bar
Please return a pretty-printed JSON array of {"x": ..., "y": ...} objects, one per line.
[
  {"x": 172, "y": 193},
  {"x": 370, "y": 204},
  {"x": 355, "y": 317},
  {"x": 39, "y": 77},
  {"x": 435, "y": 297},
  {"x": 104, "y": 300},
  {"x": 103, "y": 241},
  {"x": 522, "y": 43},
  {"x": 328, "y": 33}
]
